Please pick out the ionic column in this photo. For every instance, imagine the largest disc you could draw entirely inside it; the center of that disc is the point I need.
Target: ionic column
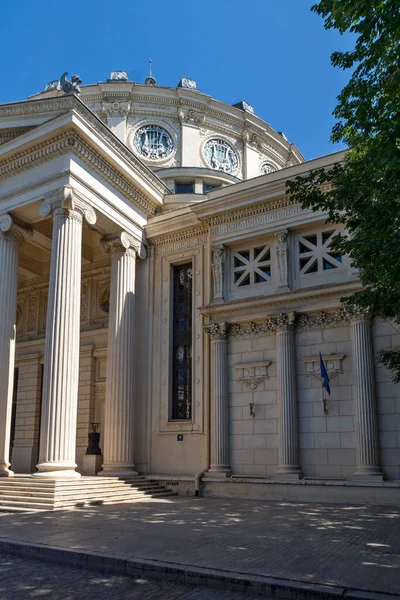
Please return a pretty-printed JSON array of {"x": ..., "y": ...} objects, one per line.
[
  {"x": 12, "y": 235},
  {"x": 289, "y": 466},
  {"x": 61, "y": 354},
  {"x": 119, "y": 404},
  {"x": 367, "y": 451},
  {"x": 219, "y": 460}
]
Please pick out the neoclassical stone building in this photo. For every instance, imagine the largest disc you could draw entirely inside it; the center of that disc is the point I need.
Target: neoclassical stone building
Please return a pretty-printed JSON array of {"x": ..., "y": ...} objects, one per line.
[{"x": 157, "y": 282}]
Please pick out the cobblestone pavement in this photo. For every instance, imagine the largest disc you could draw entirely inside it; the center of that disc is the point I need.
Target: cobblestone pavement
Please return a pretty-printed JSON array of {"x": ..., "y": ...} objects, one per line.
[
  {"x": 24, "y": 578},
  {"x": 356, "y": 547}
]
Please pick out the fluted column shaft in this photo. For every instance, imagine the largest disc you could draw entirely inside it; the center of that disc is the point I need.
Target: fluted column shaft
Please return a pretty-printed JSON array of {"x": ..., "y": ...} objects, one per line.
[
  {"x": 9, "y": 251},
  {"x": 367, "y": 452},
  {"x": 61, "y": 355},
  {"x": 219, "y": 413},
  {"x": 119, "y": 405},
  {"x": 287, "y": 397}
]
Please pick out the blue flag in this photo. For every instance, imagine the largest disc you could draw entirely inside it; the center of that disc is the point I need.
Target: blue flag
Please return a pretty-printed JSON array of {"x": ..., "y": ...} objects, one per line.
[{"x": 324, "y": 374}]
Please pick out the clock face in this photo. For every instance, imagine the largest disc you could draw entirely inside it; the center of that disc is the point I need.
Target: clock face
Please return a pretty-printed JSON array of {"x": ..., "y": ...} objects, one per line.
[
  {"x": 267, "y": 168},
  {"x": 220, "y": 156},
  {"x": 153, "y": 142}
]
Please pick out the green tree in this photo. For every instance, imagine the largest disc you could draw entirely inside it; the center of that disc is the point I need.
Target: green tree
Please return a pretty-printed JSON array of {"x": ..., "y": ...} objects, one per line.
[{"x": 364, "y": 190}]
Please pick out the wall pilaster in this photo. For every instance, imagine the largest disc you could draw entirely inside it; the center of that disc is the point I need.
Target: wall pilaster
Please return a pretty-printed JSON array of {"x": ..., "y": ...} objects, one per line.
[
  {"x": 219, "y": 460},
  {"x": 289, "y": 466}
]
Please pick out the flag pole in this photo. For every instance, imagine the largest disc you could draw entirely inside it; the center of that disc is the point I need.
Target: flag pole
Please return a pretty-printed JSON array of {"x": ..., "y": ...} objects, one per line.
[{"x": 324, "y": 400}]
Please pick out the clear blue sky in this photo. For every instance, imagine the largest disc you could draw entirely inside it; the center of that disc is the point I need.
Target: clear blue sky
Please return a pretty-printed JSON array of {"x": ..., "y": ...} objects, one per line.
[{"x": 272, "y": 53}]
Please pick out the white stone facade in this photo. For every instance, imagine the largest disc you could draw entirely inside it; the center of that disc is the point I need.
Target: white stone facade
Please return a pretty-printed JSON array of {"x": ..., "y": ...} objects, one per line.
[{"x": 91, "y": 239}]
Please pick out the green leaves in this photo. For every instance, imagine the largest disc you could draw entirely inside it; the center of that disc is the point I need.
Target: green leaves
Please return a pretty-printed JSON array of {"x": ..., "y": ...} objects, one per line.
[{"x": 364, "y": 192}]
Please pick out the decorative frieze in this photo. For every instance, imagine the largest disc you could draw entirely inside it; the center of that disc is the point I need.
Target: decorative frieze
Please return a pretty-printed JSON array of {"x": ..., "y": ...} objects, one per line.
[
  {"x": 191, "y": 117},
  {"x": 336, "y": 318},
  {"x": 116, "y": 109},
  {"x": 288, "y": 212}
]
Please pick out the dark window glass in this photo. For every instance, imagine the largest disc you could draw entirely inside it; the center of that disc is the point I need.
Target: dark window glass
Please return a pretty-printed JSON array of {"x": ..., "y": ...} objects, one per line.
[
  {"x": 326, "y": 235},
  {"x": 184, "y": 188},
  {"x": 209, "y": 187},
  {"x": 182, "y": 342},
  {"x": 313, "y": 268}
]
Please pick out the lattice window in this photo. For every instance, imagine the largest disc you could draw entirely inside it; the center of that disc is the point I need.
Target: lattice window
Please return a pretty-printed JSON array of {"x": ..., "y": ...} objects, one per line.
[
  {"x": 316, "y": 254},
  {"x": 182, "y": 342},
  {"x": 252, "y": 266}
]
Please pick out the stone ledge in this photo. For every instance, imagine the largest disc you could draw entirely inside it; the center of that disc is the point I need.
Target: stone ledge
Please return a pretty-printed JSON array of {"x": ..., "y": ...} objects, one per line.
[{"x": 213, "y": 578}]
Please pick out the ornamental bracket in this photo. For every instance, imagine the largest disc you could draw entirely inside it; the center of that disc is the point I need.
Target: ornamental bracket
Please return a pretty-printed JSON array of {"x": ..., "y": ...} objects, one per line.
[{"x": 252, "y": 374}]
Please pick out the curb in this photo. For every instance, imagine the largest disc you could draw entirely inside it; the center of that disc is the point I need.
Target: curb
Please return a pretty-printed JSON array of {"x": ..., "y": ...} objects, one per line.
[{"x": 285, "y": 589}]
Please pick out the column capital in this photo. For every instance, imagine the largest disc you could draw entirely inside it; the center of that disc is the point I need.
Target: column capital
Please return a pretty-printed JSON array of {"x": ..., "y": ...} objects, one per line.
[
  {"x": 122, "y": 242},
  {"x": 13, "y": 229},
  {"x": 67, "y": 198},
  {"x": 284, "y": 322},
  {"x": 358, "y": 313},
  {"x": 217, "y": 331}
]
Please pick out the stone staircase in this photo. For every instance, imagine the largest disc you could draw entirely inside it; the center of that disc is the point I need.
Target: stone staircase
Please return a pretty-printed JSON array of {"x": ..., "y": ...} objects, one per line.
[{"x": 27, "y": 494}]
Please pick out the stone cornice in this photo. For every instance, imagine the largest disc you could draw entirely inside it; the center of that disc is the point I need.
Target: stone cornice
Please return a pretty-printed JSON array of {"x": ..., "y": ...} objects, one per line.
[
  {"x": 171, "y": 238},
  {"x": 274, "y": 302},
  {"x": 65, "y": 103},
  {"x": 70, "y": 141}
]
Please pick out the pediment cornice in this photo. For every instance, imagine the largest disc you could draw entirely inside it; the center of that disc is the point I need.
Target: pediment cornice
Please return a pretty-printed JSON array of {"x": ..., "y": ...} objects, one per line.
[
  {"x": 72, "y": 103},
  {"x": 70, "y": 141}
]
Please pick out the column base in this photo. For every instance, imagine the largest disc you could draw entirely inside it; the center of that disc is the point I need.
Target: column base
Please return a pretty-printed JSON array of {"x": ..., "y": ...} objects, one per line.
[
  {"x": 218, "y": 471},
  {"x": 288, "y": 472},
  {"x": 123, "y": 471},
  {"x": 368, "y": 474},
  {"x": 55, "y": 470},
  {"x": 6, "y": 472}
]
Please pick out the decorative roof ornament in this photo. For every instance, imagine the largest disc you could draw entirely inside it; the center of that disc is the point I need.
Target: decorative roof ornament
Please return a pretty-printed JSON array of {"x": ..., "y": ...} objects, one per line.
[
  {"x": 244, "y": 106},
  {"x": 119, "y": 76},
  {"x": 52, "y": 85},
  {"x": 150, "y": 79},
  {"x": 185, "y": 82},
  {"x": 70, "y": 87}
]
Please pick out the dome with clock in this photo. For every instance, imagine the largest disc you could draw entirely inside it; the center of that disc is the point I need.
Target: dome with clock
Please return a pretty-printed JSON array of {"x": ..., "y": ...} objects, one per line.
[{"x": 191, "y": 141}]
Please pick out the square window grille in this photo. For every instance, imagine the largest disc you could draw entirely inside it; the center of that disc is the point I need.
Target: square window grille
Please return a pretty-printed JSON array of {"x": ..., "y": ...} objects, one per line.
[
  {"x": 251, "y": 266},
  {"x": 316, "y": 254}
]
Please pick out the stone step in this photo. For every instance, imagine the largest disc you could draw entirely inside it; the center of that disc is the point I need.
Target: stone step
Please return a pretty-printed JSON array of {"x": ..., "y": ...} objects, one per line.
[
  {"x": 72, "y": 489},
  {"x": 79, "y": 481},
  {"x": 118, "y": 500},
  {"x": 77, "y": 496},
  {"x": 26, "y": 494},
  {"x": 15, "y": 509},
  {"x": 31, "y": 503}
]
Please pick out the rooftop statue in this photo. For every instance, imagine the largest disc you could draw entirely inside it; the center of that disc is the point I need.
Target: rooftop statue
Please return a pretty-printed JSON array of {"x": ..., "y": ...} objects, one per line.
[{"x": 70, "y": 87}]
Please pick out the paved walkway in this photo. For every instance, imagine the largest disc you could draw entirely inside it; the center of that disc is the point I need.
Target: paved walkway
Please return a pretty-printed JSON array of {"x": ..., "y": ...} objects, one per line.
[
  {"x": 355, "y": 547},
  {"x": 23, "y": 578}
]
